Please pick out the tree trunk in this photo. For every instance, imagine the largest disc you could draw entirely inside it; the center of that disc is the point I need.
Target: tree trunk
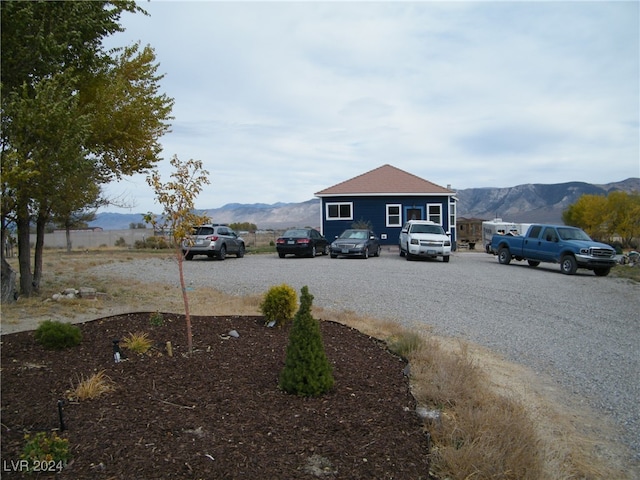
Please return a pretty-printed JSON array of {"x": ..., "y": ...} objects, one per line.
[
  {"x": 41, "y": 222},
  {"x": 9, "y": 287},
  {"x": 24, "y": 249},
  {"x": 185, "y": 298},
  {"x": 68, "y": 235}
]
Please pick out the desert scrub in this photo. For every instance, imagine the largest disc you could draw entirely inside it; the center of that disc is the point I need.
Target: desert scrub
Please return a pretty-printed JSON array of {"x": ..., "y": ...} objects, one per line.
[
  {"x": 279, "y": 304},
  {"x": 92, "y": 387},
  {"x": 138, "y": 342},
  {"x": 306, "y": 372},
  {"x": 56, "y": 335},
  {"x": 45, "y": 451},
  {"x": 406, "y": 343}
]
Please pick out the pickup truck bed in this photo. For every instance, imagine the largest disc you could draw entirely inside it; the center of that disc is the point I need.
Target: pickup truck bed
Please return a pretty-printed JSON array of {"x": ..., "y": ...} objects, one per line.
[{"x": 569, "y": 246}]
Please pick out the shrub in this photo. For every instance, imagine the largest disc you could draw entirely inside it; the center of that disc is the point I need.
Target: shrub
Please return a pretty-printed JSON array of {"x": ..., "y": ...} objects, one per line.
[
  {"x": 156, "y": 319},
  {"x": 279, "y": 304},
  {"x": 93, "y": 387},
  {"x": 138, "y": 342},
  {"x": 120, "y": 242},
  {"x": 44, "y": 448},
  {"x": 306, "y": 372},
  {"x": 57, "y": 335}
]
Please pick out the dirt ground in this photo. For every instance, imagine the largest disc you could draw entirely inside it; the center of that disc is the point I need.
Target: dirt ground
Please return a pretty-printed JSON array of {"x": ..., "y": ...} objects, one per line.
[{"x": 217, "y": 413}]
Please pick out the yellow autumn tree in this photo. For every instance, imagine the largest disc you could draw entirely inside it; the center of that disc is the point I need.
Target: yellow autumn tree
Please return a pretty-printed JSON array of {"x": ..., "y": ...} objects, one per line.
[
  {"x": 589, "y": 213},
  {"x": 177, "y": 198}
]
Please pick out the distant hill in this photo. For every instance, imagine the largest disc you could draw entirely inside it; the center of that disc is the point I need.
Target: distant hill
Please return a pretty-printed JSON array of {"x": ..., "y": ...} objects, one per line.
[{"x": 526, "y": 203}]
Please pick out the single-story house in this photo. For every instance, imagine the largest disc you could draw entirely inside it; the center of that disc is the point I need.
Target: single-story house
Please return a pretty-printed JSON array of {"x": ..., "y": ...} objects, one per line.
[{"x": 385, "y": 198}]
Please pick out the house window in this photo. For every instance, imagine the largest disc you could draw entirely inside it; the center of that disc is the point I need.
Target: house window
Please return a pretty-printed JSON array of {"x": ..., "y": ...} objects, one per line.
[
  {"x": 394, "y": 218},
  {"x": 340, "y": 211},
  {"x": 434, "y": 213},
  {"x": 452, "y": 215}
]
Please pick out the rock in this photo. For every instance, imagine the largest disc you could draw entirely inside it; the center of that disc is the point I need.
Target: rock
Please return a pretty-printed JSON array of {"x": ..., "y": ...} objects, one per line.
[
  {"x": 234, "y": 334},
  {"x": 87, "y": 292}
]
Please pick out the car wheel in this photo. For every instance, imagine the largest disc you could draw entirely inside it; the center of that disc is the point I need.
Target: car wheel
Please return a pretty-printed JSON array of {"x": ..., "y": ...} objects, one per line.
[
  {"x": 188, "y": 256},
  {"x": 313, "y": 251},
  {"x": 281, "y": 255},
  {"x": 408, "y": 255},
  {"x": 377, "y": 254},
  {"x": 333, "y": 255},
  {"x": 445, "y": 259},
  {"x": 568, "y": 265},
  {"x": 326, "y": 250},
  {"x": 602, "y": 271},
  {"x": 533, "y": 263},
  {"x": 504, "y": 256},
  {"x": 365, "y": 254},
  {"x": 240, "y": 253},
  {"x": 223, "y": 252}
]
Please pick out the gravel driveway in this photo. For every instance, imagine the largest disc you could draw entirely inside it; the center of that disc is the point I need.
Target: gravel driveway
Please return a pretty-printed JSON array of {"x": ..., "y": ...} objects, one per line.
[{"x": 582, "y": 331}]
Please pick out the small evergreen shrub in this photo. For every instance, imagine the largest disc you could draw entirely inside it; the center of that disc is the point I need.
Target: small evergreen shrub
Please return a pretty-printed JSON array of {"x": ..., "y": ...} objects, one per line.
[
  {"x": 156, "y": 319},
  {"x": 279, "y": 304},
  {"x": 56, "y": 335},
  {"x": 42, "y": 448},
  {"x": 306, "y": 372}
]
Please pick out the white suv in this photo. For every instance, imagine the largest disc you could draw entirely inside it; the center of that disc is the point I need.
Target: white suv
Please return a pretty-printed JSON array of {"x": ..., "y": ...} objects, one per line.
[{"x": 422, "y": 238}]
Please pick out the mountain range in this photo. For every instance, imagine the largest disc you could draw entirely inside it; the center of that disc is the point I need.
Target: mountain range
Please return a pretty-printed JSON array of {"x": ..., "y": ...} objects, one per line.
[{"x": 527, "y": 203}]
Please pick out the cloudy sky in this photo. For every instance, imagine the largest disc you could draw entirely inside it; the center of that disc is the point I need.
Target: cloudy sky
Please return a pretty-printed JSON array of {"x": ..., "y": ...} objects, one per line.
[{"x": 282, "y": 99}]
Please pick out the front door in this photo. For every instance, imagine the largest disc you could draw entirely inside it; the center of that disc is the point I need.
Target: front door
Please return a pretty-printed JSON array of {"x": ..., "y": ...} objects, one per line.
[{"x": 413, "y": 213}]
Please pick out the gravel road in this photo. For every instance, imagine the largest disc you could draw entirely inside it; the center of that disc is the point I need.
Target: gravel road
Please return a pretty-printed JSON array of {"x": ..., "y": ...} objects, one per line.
[{"x": 582, "y": 331}]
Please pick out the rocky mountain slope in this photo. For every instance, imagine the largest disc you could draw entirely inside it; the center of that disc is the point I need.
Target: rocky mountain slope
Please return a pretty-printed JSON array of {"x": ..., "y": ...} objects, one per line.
[{"x": 523, "y": 203}]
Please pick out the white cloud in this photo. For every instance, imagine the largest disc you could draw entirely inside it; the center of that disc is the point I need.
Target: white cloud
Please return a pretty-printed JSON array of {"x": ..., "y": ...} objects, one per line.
[{"x": 280, "y": 100}]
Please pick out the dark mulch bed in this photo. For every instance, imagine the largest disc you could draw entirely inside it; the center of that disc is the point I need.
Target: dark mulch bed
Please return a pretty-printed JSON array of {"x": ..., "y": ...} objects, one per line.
[{"x": 217, "y": 414}]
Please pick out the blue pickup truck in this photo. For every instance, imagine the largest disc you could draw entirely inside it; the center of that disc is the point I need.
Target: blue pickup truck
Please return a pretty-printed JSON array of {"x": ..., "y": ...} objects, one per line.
[{"x": 568, "y": 246}]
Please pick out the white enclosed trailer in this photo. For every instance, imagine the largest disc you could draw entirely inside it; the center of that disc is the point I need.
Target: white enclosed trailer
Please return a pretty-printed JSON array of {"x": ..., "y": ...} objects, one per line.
[{"x": 499, "y": 227}]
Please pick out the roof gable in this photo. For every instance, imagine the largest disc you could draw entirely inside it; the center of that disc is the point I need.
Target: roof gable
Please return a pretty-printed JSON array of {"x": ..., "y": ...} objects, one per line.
[{"x": 385, "y": 180}]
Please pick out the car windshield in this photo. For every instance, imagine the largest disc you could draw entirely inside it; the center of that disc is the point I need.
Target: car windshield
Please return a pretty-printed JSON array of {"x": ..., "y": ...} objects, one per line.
[
  {"x": 299, "y": 233},
  {"x": 567, "y": 233},
  {"x": 354, "y": 234},
  {"x": 419, "y": 228}
]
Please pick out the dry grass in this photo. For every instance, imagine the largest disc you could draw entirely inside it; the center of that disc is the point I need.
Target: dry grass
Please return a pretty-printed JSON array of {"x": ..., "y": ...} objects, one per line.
[
  {"x": 138, "y": 342},
  {"x": 495, "y": 419},
  {"x": 89, "y": 388}
]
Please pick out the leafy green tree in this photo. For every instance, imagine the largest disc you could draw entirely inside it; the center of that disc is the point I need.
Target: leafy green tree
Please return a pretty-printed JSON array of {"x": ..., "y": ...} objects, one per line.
[
  {"x": 307, "y": 371},
  {"x": 177, "y": 198},
  {"x": 68, "y": 107}
]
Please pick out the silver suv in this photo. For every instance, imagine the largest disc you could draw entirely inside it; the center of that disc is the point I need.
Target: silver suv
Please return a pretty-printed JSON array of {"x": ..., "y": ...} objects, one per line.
[
  {"x": 422, "y": 238},
  {"x": 213, "y": 241}
]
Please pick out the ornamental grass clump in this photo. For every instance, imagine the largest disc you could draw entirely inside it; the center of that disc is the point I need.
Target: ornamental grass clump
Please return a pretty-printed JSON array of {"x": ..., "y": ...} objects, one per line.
[
  {"x": 56, "y": 335},
  {"x": 306, "y": 372},
  {"x": 138, "y": 342},
  {"x": 279, "y": 305}
]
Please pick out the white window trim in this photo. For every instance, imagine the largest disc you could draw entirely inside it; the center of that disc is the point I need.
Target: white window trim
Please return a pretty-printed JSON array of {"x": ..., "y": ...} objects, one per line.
[
  {"x": 326, "y": 214},
  {"x": 428, "y": 213},
  {"x": 399, "y": 207}
]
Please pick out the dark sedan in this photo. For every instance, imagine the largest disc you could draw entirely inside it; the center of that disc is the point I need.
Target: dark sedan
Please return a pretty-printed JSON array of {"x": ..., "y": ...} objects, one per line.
[
  {"x": 306, "y": 242},
  {"x": 356, "y": 243}
]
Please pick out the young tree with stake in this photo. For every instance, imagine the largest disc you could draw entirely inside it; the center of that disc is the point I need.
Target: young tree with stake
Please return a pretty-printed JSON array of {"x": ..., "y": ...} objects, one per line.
[{"x": 177, "y": 198}]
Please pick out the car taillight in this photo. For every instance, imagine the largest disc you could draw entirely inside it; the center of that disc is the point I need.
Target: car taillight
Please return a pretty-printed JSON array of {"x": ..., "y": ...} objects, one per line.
[
  {"x": 212, "y": 238},
  {"x": 280, "y": 240},
  {"x": 302, "y": 240}
]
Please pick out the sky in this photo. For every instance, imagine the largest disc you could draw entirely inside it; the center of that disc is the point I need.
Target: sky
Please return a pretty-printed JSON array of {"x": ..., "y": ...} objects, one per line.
[{"x": 280, "y": 100}]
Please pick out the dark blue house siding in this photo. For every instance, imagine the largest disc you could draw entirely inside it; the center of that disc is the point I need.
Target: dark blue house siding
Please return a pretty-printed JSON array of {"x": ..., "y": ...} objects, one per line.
[{"x": 374, "y": 211}]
